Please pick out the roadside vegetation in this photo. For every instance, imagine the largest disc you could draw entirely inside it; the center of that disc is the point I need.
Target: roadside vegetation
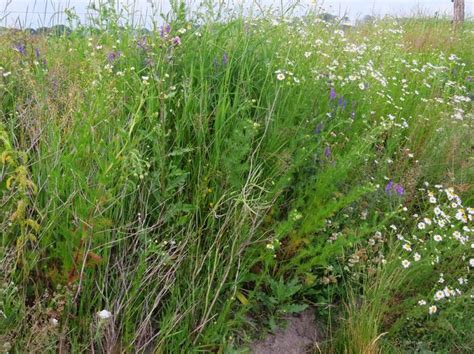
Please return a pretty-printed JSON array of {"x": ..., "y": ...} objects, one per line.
[{"x": 187, "y": 188}]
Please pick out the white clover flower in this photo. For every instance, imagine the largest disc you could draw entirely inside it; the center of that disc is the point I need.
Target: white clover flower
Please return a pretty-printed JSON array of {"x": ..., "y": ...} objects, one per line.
[
  {"x": 433, "y": 200},
  {"x": 427, "y": 221},
  {"x": 421, "y": 225},
  {"x": 432, "y": 310},
  {"x": 437, "y": 210},
  {"x": 416, "y": 257},
  {"x": 362, "y": 86},
  {"x": 104, "y": 314},
  {"x": 406, "y": 263},
  {"x": 307, "y": 54},
  {"x": 437, "y": 238},
  {"x": 422, "y": 302}
]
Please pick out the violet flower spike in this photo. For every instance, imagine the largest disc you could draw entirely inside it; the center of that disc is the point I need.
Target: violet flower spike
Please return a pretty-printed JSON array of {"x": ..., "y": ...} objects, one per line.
[
  {"x": 20, "y": 48},
  {"x": 342, "y": 102},
  {"x": 332, "y": 93},
  {"x": 399, "y": 189},
  {"x": 388, "y": 187},
  {"x": 112, "y": 56},
  {"x": 165, "y": 30},
  {"x": 176, "y": 40},
  {"x": 319, "y": 128},
  {"x": 327, "y": 152}
]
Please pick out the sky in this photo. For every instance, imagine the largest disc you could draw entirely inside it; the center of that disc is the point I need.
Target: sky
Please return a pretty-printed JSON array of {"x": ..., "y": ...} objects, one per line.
[{"x": 34, "y": 13}]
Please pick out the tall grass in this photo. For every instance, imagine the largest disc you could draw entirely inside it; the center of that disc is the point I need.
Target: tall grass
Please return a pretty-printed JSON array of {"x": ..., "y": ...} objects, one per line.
[{"x": 172, "y": 177}]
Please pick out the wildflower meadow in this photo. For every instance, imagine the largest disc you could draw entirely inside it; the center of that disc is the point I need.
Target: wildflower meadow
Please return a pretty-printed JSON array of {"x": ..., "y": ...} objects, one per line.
[{"x": 201, "y": 184}]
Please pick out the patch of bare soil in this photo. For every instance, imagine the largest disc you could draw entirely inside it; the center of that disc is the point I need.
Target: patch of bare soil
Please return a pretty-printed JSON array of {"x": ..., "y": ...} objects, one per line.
[{"x": 300, "y": 336}]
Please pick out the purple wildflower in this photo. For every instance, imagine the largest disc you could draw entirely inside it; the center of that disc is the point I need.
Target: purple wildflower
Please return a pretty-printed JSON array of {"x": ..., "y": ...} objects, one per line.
[
  {"x": 225, "y": 59},
  {"x": 327, "y": 152},
  {"x": 20, "y": 48},
  {"x": 319, "y": 128},
  {"x": 332, "y": 93},
  {"x": 37, "y": 53},
  {"x": 112, "y": 56},
  {"x": 165, "y": 30},
  {"x": 342, "y": 103},
  {"x": 388, "y": 187},
  {"x": 399, "y": 189},
  {"x": 176, "y": 40}
]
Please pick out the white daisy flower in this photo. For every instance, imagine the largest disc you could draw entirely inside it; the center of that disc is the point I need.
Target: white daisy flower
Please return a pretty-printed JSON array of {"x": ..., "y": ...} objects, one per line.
[{"x": 406, "y": 263}]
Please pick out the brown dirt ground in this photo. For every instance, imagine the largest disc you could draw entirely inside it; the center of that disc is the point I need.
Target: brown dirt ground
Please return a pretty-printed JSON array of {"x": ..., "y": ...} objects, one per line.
[{"x": 300, "y": 336}]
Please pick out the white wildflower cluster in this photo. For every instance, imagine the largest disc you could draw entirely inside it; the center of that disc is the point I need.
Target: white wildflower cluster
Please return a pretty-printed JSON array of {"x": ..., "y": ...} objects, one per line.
[
  {"x": 288, "y": 76},
  {"x": 442, "y": 233},
  {"x": 272, "y": 245}
]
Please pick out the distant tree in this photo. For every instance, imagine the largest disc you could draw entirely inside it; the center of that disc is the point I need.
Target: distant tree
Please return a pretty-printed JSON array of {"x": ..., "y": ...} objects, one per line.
[
  {"x": 366, "y": 19},
  {"x": 327, "y": 17},
  {"x": 459, "y": 7}
]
